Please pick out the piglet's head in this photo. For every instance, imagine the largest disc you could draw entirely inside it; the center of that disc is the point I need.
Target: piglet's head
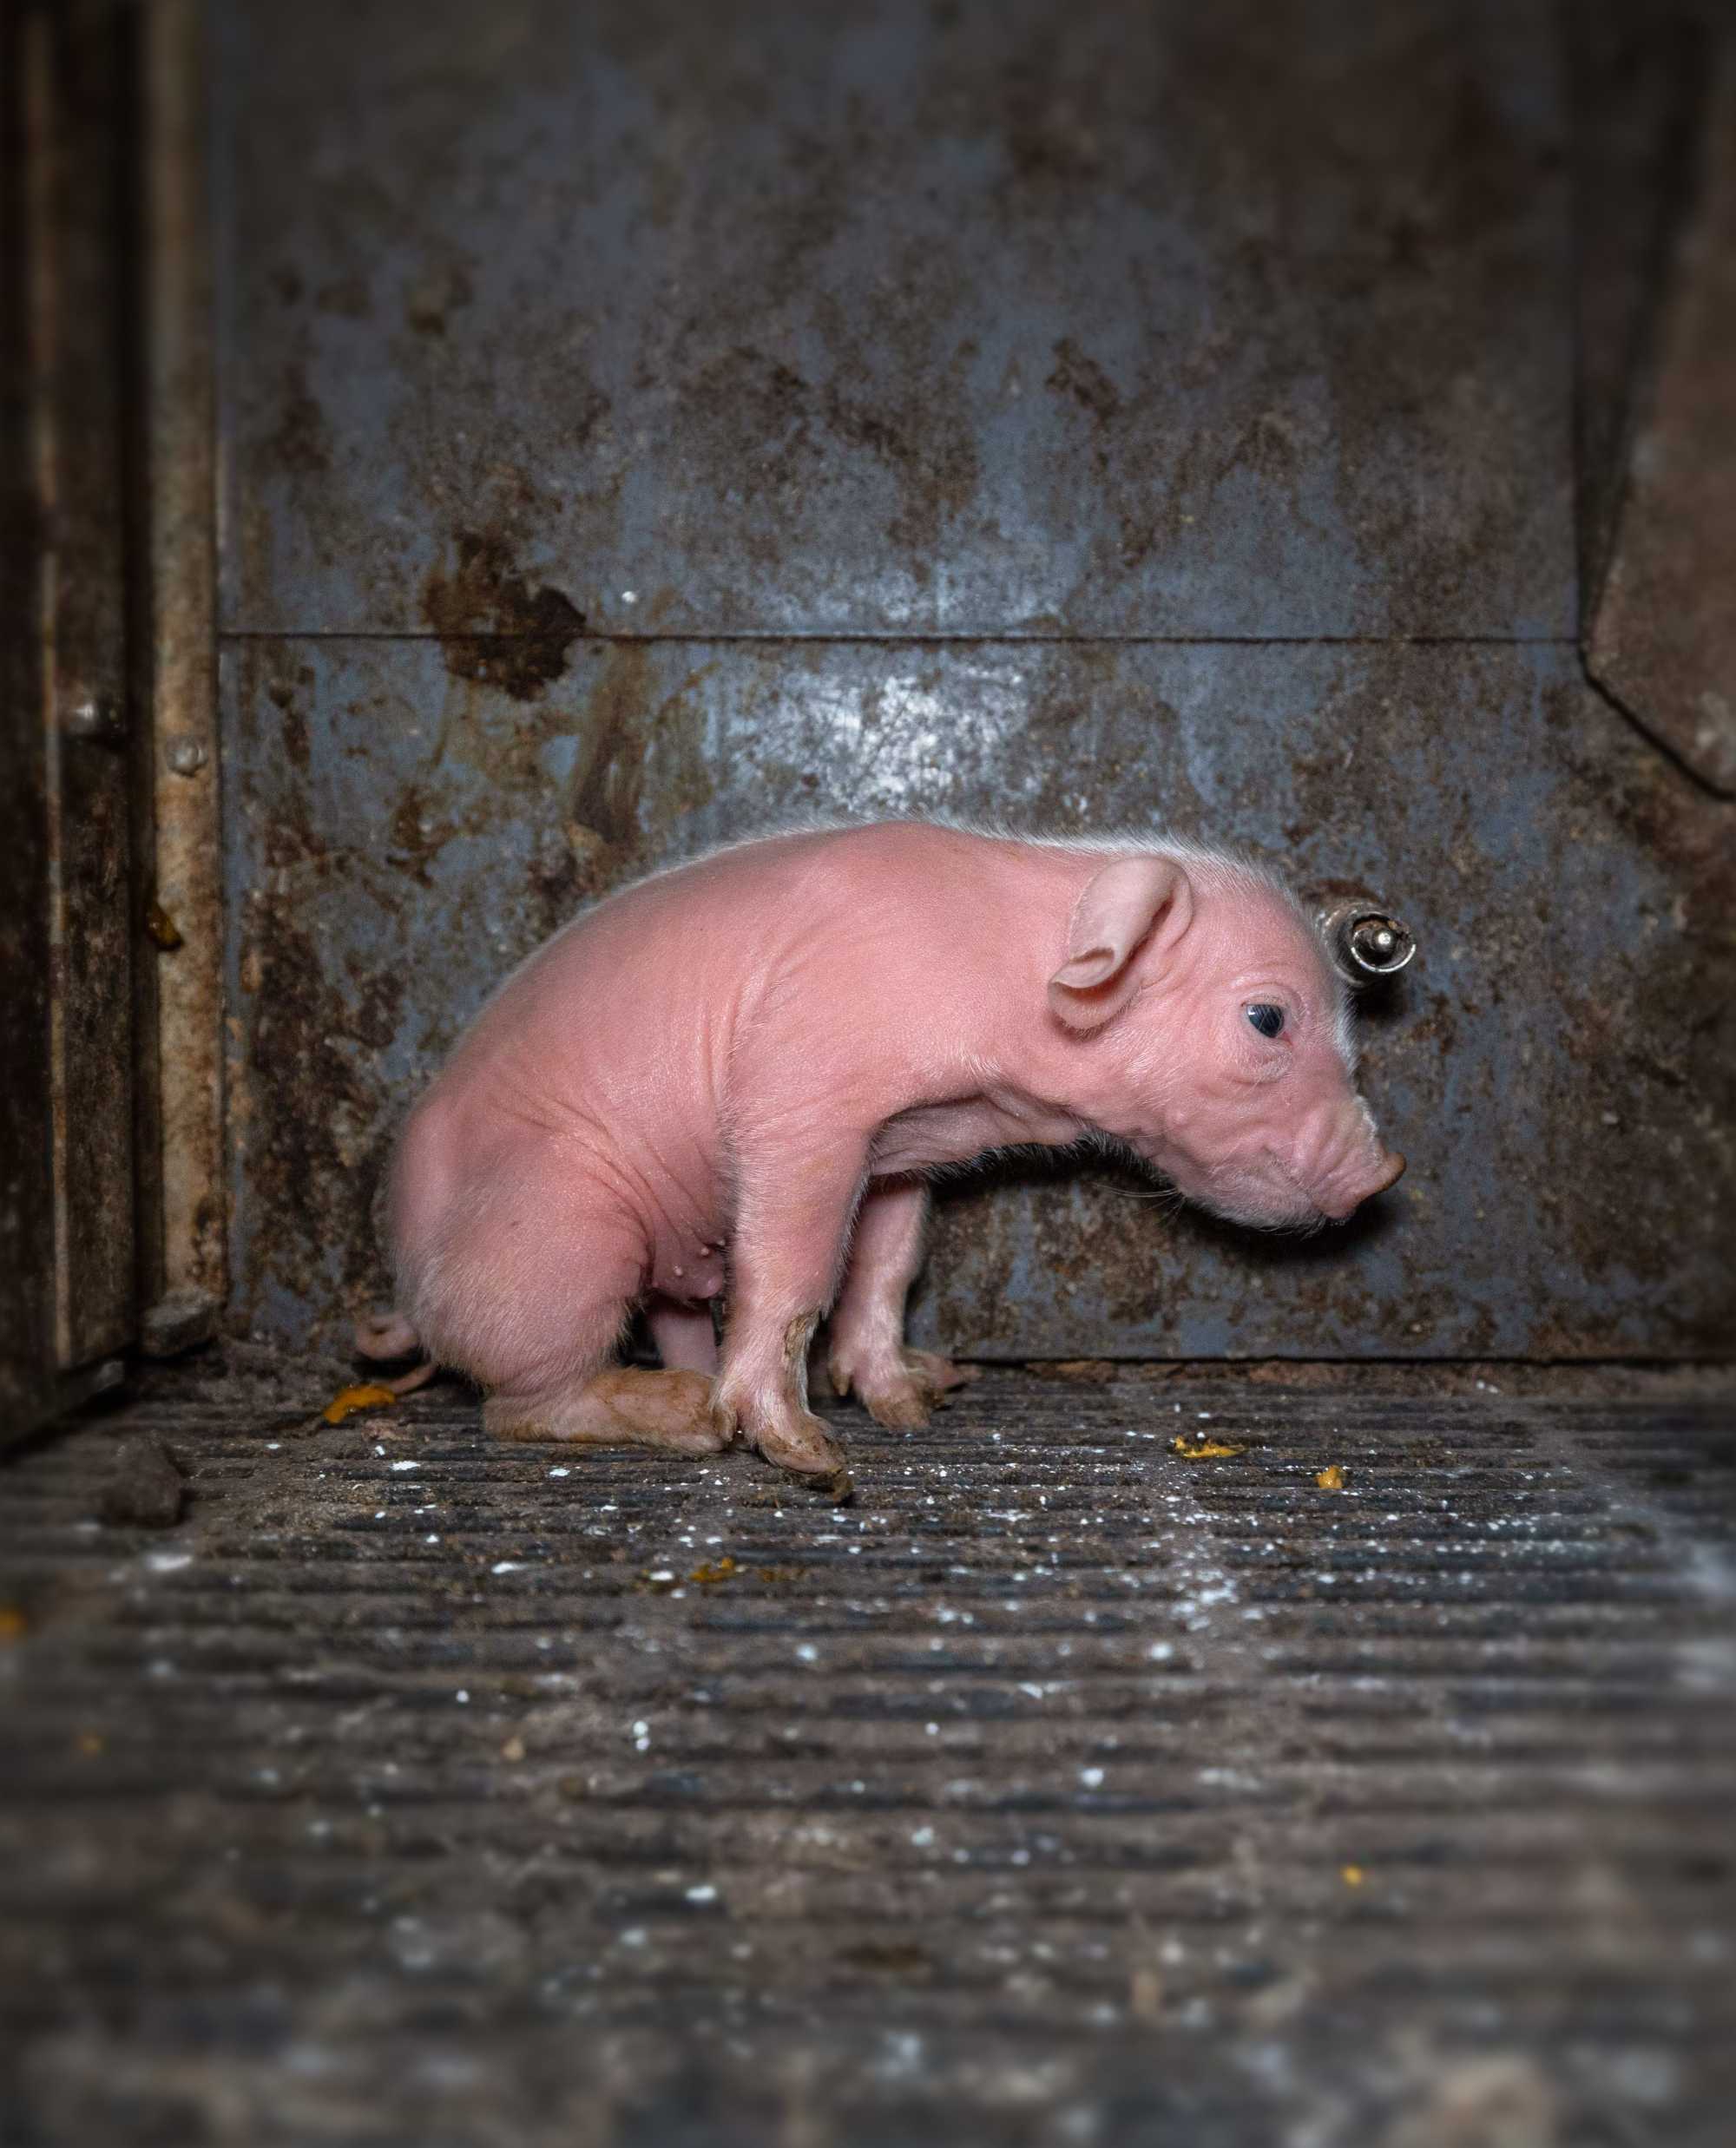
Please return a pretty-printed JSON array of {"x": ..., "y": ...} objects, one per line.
[{"x": 1208, "y": 1030}]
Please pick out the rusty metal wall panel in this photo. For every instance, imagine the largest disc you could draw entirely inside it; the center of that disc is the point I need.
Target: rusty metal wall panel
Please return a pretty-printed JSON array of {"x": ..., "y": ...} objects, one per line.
[
  {"x": 1637, "y": 76},
  {"x": 1559, "y": 1066},
  {"x": 995, "y": 316},
  {"x": 591, "y": 376},
  {"x": 77, "y": 93},
  {"x": 1663, "y": 637},
  {"x": 26, "y": 1188}
]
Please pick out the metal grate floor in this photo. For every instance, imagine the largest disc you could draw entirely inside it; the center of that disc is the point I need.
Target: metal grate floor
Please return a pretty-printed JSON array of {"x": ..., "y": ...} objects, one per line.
[{"x": 1065, "y": 1788}]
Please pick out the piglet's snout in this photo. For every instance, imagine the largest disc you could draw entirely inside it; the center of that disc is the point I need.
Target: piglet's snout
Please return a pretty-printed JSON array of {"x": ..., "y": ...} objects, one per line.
[
  {"x": 1350, "y": 1188},
  {"x": 1341, "y": 1160}
]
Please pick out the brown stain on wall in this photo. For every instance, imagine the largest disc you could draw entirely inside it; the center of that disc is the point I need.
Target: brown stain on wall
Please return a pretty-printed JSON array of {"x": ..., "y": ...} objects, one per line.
[
  {"x": 318, "y": 1153},
  {"x": 302, "y": 441},
  {"x": 611, "y": 772},
  {"x": 287, "y": 700},
  {"x": 637, "y": 736},
  {"x": 1077, "y": 373},
  {"x": 435, "y": 296},
  {"x": 495, "y": 629}
]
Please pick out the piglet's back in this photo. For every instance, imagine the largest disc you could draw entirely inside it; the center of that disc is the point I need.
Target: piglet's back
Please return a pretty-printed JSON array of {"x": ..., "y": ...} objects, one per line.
[{"x": 627, "y": 1014}]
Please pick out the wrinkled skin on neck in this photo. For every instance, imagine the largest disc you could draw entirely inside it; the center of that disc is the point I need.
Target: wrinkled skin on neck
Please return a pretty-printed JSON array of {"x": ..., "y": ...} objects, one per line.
[{"x": 1263, "y": 1130}]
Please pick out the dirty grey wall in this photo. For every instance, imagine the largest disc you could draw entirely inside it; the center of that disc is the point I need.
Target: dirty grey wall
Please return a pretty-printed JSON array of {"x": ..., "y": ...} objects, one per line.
[{"x": 640, "y": 422}]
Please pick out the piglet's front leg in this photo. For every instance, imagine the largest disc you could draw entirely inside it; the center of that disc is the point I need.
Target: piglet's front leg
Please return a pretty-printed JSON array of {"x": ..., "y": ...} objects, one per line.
[
  {"x": 794, "y": 1212},
  {"x": 865, "y": 1350}
]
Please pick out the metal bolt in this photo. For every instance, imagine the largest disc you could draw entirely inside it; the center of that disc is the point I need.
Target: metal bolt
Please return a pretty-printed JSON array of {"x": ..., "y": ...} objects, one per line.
[
  {"x": 185, "y": 756},
  {"x": 1366, "y": 943},
  {"x": 1379, "y": 945}
]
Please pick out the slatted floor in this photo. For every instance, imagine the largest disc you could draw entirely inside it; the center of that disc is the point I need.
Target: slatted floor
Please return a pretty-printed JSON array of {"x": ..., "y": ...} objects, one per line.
[{"x": 1062, "y": 1788}]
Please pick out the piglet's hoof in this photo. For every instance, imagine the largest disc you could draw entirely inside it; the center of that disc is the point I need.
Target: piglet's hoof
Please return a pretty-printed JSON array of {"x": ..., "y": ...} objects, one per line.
[
  {"x": 901, "y": 1391},
  {"x": 803, "y": 1447}
]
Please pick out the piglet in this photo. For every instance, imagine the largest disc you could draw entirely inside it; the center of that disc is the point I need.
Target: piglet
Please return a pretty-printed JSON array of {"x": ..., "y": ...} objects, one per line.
[{"x": 733, "y": 1077}]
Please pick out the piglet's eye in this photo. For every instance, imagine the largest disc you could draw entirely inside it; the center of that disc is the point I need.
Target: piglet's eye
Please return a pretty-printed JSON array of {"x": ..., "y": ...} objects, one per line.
[{"x": 1267, "y": 1019}]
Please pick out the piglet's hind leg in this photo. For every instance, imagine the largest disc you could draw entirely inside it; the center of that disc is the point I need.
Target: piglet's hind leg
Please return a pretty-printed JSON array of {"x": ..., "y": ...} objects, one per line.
[
  {"x": 622, "y": 1406},
  {"x": 866, "y": 1347},
  {"x": 532, "y": 1301},
  {"x": 683, "y": 1335}
]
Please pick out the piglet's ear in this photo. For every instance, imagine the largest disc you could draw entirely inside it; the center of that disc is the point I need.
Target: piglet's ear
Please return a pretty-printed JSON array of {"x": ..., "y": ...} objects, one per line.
[{"x": 1131, "y": 900}]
